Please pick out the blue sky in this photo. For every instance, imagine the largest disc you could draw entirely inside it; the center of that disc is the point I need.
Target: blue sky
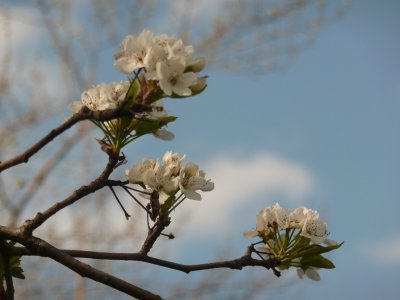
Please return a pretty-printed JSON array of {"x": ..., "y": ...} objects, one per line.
[
  {"x": 336, "y": 113},
  {"x": 324, "y": 133}
]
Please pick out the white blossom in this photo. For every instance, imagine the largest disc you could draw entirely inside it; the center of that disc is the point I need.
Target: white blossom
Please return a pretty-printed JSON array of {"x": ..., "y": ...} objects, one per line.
[
  {"x": 191, "y": 179},
  {"x": 170, "y": 176},
  {"x": 102, "y": 96},
  {"x": 172, "y": 78},
  {"x": 135, "y": 174},
  {"x": 165, "y": 59},
  {"x": 315, "y": 229},
  {"x": 156, "y": 54},
  {"x": 281, "y": 215},
  {"x": 133, "y": 51},
  {"x": 298, "y": 217},
  {"x": 173, "y": 161}
]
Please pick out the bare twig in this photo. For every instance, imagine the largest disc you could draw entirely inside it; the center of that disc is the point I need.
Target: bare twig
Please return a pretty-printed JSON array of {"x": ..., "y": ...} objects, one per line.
[{"x": 83, "y": 191}]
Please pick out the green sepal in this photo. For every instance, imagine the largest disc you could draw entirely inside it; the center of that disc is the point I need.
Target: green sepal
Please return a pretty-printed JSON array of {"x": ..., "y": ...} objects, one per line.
[
  {"x": 155, "y": 96},
  {"x": 132, "y": 92},
  {"x": 167, "y": 205}
]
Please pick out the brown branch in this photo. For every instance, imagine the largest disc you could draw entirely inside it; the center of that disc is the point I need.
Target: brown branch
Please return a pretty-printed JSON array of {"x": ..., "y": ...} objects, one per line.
[
  {"x": 83, "y": 191},
  {"x": 83, "y": 114},
  {"x": 42, "y": 248},
  {"x": 237, "y": 264}
]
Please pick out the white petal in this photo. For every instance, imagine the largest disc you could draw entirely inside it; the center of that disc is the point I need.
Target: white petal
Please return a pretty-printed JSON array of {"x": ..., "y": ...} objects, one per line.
[
  {"x": 127, "y": 65},
  {"x": 313, "y": 274},
  {"x": 190, "y": 194},
  {"x": 250, "y": 234},
  {"x": 164, "y": 135},
  {"x": 165, "y": 86}
]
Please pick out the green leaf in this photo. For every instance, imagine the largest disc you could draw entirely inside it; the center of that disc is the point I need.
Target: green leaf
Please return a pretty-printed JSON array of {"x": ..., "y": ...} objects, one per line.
[
  {"x": 317, "y": 261},
  {"x": 315, "y": 250},
  {"x": 146, "y": 127},
  {"x": 168, "y": 119},
  {"x": 17, "y": 272},
  {"x": 15, "y": 266}
]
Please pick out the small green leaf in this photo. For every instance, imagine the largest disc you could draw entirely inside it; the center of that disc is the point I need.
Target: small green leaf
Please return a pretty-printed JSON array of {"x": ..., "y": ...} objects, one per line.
[
  {"x": 17, "y": 272},
  {"x": 145, "y": 127},
  {"x": 15, "y": 266},
  {"x": 168, "y": 119},
  {"x": 317, "y": 261},
  {"x": 315, "y": 250}
]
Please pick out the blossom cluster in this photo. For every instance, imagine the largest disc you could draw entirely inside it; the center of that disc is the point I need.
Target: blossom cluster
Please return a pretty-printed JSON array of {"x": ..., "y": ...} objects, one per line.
[
  {"x": 169, "y": 177},
  {"x": 276, "y": 217},
  {"x": 165, "y": 59},
  {"x": 161, "y": 66},
  {"x": 294, "y": 238}
]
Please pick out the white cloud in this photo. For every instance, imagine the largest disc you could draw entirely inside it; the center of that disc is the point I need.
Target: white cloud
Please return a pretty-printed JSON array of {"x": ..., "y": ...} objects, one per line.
[
  {"x": 243, "y": 186},
  {"x": 239, "y": 185},
  {"x": 384, "y": 251}
]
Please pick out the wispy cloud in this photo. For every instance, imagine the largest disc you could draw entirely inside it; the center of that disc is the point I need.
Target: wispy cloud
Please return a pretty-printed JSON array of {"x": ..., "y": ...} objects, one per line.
[
  {"x": 243, "y": 185},
  {"x": 386, "y": 250}
]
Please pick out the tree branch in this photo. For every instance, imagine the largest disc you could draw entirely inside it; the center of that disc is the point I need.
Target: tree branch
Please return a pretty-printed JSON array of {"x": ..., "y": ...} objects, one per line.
[
  {"x": 83, "y": 114},
  {"x": 20, "y": 205},
  {"x": 43, "y": 248},
  {"x": 97, "y": 184},
  {"x": 237, "y": 264},
  {"x": 154, "y": 233}
]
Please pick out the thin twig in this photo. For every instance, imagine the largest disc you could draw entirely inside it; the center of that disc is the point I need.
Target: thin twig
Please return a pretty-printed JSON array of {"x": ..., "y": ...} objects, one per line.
[
  {"x": 83, "y": 191},
  {"x": 19, "y": 205},
  {"x": 127, "y": 216},
  {"x": 154, "y": 233}
]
